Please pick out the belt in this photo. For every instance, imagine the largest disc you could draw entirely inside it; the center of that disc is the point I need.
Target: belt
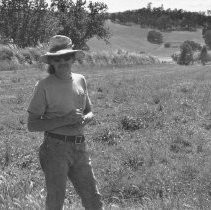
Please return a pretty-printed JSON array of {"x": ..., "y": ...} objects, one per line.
[{"x": 72, "y": 139}]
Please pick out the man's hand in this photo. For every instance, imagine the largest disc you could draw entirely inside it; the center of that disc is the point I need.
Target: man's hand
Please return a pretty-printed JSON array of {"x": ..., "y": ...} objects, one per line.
[{"x": 87, "y": 118}]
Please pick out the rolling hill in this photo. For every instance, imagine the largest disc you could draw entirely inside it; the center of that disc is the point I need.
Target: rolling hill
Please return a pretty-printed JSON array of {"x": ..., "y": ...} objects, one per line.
[{"x": 134, "y": 38}]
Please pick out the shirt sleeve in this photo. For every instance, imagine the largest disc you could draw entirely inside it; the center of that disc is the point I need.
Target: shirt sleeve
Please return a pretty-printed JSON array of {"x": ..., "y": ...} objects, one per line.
[{"x": 38, "y": 102}]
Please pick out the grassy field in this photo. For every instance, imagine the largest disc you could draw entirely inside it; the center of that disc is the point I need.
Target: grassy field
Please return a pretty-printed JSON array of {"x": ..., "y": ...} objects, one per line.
[
  {"x": 134, "y": 38},
  {"x": 149, "y": 144}
]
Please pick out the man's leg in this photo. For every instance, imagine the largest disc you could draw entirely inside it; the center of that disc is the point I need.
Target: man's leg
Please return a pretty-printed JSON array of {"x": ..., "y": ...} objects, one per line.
[
  {"x": 83, "y": 180},
  {"x": 55, "y": 169}
]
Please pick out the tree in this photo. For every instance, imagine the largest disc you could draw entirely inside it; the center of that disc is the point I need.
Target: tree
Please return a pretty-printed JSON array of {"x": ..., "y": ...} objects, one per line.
[
  {"x": 81, "y": 22},
  {"x": 207, "y": 38},
  {"x": 204, "y": 55},
  {"x": 194, "y": 45},
  {"x": 157, "y": 18},
  {"x": 164, "y": 23},
  {"x": 186, "y": 55},
  {"x": 26, "y": 22},
  {"x": 155, "y": 37}
]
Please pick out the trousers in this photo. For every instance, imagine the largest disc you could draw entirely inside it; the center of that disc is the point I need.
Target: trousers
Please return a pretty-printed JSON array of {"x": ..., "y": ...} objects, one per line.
[{"x": 61, "y": 160}]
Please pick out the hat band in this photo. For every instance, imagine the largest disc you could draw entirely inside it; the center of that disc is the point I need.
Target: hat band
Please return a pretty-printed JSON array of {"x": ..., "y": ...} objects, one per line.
[{"x": 60, "y": 47}]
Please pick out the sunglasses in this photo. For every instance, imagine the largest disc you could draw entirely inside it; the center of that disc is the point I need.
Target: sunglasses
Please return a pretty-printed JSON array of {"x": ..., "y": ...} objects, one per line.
[{"x": 66, "y": 57}]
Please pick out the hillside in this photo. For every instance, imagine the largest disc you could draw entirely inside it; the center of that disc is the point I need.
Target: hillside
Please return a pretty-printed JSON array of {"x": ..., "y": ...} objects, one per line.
[{"x": 134, "y": 38}]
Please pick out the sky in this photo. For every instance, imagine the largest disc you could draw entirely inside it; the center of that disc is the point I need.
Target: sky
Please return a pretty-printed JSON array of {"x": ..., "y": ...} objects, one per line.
[{"x": 188, "y": 5}]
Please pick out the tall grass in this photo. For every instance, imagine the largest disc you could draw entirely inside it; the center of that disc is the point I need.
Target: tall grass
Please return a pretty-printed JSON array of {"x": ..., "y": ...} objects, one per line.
[
  {"x": 13, "y": 57},
  {"x": 118, "y": 58}
]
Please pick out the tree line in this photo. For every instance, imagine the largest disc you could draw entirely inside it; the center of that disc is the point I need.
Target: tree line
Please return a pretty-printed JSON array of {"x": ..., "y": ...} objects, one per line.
[
  {"x": 165, "y": 20},
  {"x": 29, "y": 22}
]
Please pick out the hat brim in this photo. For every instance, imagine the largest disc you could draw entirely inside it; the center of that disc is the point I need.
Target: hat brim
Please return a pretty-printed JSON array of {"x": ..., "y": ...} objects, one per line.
[{"x": 79, "y": 54}]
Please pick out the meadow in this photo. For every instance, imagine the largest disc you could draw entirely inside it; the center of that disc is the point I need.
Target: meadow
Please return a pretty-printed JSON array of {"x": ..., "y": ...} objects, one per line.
[
  {"x": 133, "y": 38},
  {"x": 149, "y": 142}
]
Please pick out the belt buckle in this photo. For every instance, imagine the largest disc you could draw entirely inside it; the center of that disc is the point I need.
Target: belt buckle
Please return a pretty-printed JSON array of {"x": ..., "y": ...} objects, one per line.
[{"x": 78, "y": 139}]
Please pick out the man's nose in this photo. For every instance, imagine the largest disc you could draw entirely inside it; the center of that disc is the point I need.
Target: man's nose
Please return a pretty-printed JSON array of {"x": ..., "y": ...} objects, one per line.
[{"x": 62, "y": 60}]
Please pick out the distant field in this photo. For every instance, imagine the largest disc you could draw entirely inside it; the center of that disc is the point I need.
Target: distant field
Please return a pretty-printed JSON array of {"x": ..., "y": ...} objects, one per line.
[
  {"x": 134, "y": 38},
  {"x": 150, "y": 141},
  {"x": 128, "y": 46}
]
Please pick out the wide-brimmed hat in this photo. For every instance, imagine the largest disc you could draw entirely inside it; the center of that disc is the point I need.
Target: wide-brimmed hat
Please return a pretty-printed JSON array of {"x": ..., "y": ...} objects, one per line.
[{"x": 61, "y": 45}]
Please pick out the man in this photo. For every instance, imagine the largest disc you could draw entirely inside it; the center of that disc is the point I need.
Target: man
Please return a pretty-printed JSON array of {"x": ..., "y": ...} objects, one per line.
[{"x": 60, "y": 107}]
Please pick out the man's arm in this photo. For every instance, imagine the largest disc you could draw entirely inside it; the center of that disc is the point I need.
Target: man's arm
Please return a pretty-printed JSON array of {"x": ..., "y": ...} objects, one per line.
[
  {"x": 88, "y": 114},
  {"x": 36, "y": 123}
]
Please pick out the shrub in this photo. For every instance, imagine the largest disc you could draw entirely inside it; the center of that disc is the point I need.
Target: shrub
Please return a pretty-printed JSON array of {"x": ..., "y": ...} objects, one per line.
[
  {"x": 133, "y": 160},
  {"x": 117, "y": 58},
  {"x": 131, "y": 123},
  {"x": 175, "y": 56},
  {"x": 20, "y": 58},
  {"x": 186, "y": 55},
  {"x": 35, "y": 53},
  {"x": 194, "y": 45},
  {"x": 5, "y": 54},
  {"x": 27, "y": 56},
  {"x": 155, "y": 37},
  {"x": 167, "y": 45},
  {"x": 105, "y": 135}
]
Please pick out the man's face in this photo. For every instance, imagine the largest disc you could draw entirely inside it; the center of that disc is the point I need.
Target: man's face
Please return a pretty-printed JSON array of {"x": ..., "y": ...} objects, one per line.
[{"x": 62, "y": 63}]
